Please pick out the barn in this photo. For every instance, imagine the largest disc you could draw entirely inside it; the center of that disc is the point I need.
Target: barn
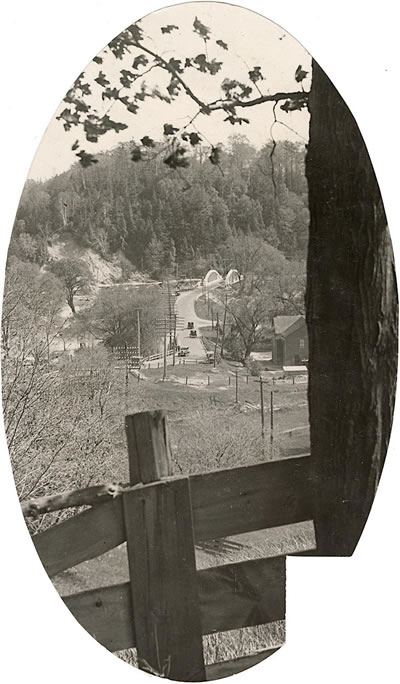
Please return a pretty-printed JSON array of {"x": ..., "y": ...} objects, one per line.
[{"x": 289, "y": 341}]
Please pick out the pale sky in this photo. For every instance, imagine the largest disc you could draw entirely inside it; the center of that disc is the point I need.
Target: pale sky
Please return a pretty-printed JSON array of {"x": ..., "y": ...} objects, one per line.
[{"x": 252, "y": 41}]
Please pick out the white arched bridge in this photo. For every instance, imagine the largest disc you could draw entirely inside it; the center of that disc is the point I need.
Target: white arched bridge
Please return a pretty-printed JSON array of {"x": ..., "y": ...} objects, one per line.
[{"x": 213, "y": 276}]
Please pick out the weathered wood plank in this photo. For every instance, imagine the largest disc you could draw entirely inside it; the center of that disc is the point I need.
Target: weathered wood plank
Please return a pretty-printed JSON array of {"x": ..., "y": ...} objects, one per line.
[
  {"x": 148, "y": 446},
  {"x": 230, "y": 597},
  {"x": 231, "y": 667},
  {"x": 163, "y": 580},
  {"x": 229, "y": 502},
  {"x": 82, "y": 537},
  {"x": 106, "y": 613},
  {"x": 242, "y": 594}
]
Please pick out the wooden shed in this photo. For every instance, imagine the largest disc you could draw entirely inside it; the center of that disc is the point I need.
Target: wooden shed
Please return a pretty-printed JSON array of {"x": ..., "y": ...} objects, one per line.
[{"x": 290, "y": 341}]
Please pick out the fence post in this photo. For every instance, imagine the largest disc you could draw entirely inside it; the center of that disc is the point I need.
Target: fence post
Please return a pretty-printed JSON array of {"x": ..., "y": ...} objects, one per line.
[
  {"x": 160, "y": 545},
  {"x": 148, "y": 447},
  {"x": 272, "y": 422}
]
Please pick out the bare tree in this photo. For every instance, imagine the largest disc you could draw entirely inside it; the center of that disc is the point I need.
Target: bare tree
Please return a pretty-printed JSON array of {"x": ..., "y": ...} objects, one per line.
[{"x": 75, "y": 277}]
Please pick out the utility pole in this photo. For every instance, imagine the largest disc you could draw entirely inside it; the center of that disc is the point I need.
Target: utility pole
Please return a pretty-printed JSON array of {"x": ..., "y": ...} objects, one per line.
[
  {"x": 216, "y": 341},
  {"x": 271, "y": 436},
  {"x": 261, "y": 381},
  {"x": 126, "y": 380},
  {"x": 174, "y": 342},
  {"x": 138, "y": 331},
  {"x": 212, "y": 318},
  {"x": 262, "y": 408},
  {"x": 236, "y": 388},
  {"x": 272, "y": 422},
  {"x": 223, "y": 327},
  {"x": 165, "y": 349},
  {"x": 170, "y": 308}
]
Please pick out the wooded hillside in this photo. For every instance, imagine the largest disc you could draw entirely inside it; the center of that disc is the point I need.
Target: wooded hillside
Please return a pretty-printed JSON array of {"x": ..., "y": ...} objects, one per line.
[{"x": 164, "y": 220}]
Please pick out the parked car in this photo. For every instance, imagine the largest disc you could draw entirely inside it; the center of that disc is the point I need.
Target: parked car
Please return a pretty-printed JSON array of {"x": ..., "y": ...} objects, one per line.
[
  {"x": 210, "y": 356},
  {"x": 183, "y": 351}
]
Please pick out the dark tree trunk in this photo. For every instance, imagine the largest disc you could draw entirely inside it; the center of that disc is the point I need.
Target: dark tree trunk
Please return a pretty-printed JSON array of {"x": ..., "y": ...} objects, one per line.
[
  {"x": 352, "y": 319},
  {"x": 70, "y": 302}
]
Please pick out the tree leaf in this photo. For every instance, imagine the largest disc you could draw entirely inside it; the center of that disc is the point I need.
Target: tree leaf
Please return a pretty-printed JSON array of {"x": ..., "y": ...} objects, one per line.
[
  {"x": 201, "y": 30},
  {"x": 127, "y": 78},
  {"x": 294, "y": 105},
  {"x": 102, "y": 80},
  {"x": 173, "y": 87},
  {"x": 110, "y": 94},
  {"x": 132, "y": 107},
  {"x": 147, "y": 142},
  {"x": 215, "y": 156},
  {"x": 194, "y": 139},
  {"x": 98, "y": 60},
  {"x": 300, "y": 74},
  {"x": 75, "y": 145},
  {"x": 92, "y": 130},
  {"x": 221, "y": 43},
  {"x": 70, "y": 118},
  {"x": 169, "y": 28},
  {"x": 204, "y": 65},
  {"x": 140, "y": 60},
  {"x": 86, "y": 159},
  {"x": 169, "y": 129},
  {"x": 175, "y": 64},
  {"x": 80, "y": 105},
  {"x": 135, "y": 32},
  {"x": 236, "y": 119},
  {"x": 236, "y": 90},
  {"x": 256, "y": 75},
  {"x": 108, "y": 124},
  {"x": 177, "y": 159}
]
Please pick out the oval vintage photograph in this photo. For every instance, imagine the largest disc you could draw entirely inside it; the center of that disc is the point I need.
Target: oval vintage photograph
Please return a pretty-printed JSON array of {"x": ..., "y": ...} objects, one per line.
[{"x": 199, "y": 338}]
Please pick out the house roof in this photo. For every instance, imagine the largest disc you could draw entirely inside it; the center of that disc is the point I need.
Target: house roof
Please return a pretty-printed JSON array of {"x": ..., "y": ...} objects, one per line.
[{"x": 285, "y": 325}]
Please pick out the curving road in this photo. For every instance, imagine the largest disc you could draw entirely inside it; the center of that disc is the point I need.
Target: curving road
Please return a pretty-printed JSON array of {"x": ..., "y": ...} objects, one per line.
[{"x": 185, "y": 310}]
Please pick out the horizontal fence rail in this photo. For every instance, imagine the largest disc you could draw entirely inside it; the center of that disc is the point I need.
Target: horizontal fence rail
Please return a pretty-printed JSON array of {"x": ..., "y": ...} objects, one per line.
[
  {"x": 230, "y": 597},
  {"x": 224, "y": 502}
]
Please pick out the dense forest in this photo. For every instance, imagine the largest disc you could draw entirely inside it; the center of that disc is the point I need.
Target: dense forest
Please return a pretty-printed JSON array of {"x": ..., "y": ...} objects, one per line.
[{"x": 165, "y": 221}]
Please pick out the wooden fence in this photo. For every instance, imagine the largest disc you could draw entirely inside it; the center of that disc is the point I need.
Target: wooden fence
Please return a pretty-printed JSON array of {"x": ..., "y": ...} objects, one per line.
[{"x": 167, "y": 605}]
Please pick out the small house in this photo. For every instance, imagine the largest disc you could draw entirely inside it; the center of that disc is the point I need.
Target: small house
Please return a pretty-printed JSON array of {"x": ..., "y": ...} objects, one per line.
[{"x": 289, "y": 341}]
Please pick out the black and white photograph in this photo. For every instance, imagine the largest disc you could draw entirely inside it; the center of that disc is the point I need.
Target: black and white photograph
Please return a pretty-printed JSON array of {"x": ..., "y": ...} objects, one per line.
[{"x": 199, "y": 347}]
